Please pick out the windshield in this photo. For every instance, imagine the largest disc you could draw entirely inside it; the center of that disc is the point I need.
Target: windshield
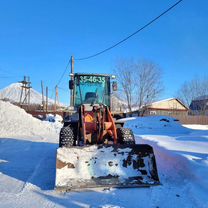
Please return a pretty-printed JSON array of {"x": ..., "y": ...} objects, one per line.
[{"x": 91, "y": 89}]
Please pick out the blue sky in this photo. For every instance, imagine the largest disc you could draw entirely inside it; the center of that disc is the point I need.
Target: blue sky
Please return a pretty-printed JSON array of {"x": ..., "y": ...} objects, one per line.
[{"x": 38, "y": 37}]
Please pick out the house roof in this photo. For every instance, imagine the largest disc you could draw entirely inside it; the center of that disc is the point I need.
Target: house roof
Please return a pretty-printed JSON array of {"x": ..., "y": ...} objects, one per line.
[
  {"x": 168, "y": 99},
  {"x": 135, "y": 108}
]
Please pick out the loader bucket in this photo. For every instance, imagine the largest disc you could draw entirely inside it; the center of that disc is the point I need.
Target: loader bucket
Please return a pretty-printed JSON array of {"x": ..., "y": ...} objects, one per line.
[{"x": 97, "y": 166}]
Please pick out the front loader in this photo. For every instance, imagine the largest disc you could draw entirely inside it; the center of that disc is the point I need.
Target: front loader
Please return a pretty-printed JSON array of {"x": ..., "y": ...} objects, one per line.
[{"x": 93, "y": 151}]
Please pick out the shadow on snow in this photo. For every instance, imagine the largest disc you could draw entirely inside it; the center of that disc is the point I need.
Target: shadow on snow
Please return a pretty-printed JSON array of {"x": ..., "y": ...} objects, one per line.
[{"x": 29, "y": 161}]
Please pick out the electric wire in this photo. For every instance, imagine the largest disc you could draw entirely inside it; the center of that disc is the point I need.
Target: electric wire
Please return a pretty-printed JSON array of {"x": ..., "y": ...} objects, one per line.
[
  {"x": 60, "y": 79},
  {"x": 120, "y": 42},
  {"x": 134, "y": 33}
]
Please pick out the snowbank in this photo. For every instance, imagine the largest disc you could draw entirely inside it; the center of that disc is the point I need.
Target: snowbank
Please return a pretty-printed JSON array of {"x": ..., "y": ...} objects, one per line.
[
  {"x": 184, "y": 159},
  {"x": 55, "y": 121},
  {"x": 27, "y": 168},
  {"x": 52, "y": 118},
  {"x": 155, "y": 125},
  {"x": 181, "y": 155},
  {"x": 14, "y": 121},
  {"x": 196, "y": 126}
]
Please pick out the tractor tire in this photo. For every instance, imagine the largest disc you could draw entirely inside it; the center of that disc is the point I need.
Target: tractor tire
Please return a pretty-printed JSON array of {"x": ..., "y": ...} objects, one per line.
[
  {"x": 125, "y": 136},
  {"x": 67, "y": 137}
]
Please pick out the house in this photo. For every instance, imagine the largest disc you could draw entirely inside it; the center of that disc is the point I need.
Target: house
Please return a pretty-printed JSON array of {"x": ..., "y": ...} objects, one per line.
[
  {"x": 169, "y": 107},
  {"x": 199, "y": 106}
]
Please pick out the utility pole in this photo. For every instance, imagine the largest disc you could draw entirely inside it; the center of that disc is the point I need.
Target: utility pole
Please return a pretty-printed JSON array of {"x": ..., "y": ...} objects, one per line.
[
  {"x": 28, "y": 79},
  {"x": 56, "y": 98},
  {"x": 46, "y": 99},
  {"x": 42, "y": 89},
  {"x": 72, "y": 78},
  {"x": 25, "y": 89}
]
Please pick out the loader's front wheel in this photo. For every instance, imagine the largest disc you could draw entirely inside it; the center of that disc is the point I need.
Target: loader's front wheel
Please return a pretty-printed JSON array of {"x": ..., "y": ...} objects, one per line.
[
  {"x": 125, "y": 136},
  {"x": 67, "y": 137}
]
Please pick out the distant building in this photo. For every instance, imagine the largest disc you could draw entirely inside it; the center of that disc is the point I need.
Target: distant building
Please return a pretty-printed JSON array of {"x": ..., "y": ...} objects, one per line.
[
  {"x": 169, "y": 107},
  {"x": 199, "y": 106},
  {"x": 117, "y": 104}
]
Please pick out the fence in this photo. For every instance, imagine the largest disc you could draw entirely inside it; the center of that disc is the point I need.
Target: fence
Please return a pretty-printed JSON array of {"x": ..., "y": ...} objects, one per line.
[{"x": 203, "y": 120}]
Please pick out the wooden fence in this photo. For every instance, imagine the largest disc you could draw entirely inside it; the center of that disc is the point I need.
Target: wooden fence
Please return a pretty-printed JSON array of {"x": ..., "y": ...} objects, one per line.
[{"x": 203, "y": 120}]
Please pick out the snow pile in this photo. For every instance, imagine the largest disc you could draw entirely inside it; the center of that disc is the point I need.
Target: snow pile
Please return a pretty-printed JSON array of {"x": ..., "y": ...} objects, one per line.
[
  {"x": 53, "y": 118},
  {"x": 184, "y": 159},
  {"x": 14, "y": 121},
  {"x": 155, "y": 125},
  {"x": 55, "y": 121},
  {"x": 181, "y": 155},
  {"x": 196, "y": 126},
  {"x": 27, "y": 167},
  {"x": 13, "y": 93}
]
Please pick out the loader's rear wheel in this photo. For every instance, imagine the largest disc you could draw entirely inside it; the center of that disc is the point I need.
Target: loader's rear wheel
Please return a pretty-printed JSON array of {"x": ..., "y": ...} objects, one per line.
[
  {"x": 67, "y": 137},
  {"x": 125, "y": 136}
]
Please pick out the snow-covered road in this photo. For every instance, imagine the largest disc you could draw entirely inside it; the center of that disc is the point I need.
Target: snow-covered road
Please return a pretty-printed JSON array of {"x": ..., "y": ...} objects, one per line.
[
  {"x": 27, "y": 167},
  {"x": 28, "y": 174}
]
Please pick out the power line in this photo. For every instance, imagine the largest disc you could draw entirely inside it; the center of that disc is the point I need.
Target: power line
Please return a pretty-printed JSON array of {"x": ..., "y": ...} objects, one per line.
[
  {"x": 139, "y": 30},
  {"x": 118, "y": 43},
  {"x": 63, "y": 89},
  {"x": 60, "y": 79}
]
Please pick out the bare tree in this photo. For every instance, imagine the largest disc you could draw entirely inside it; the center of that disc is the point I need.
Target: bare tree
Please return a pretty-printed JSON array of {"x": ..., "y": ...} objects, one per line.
[
  {"x": 140, "y": 81},
  {"x": 192, "y": 90},
  {"x": 125, "y": 71},
  {"x": 149, "y": 84},
  {"x": 189, "y": 91}
]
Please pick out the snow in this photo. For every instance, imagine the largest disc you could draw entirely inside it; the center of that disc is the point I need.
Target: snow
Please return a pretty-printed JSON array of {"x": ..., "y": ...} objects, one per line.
[
  {"x": 52, "y": 118},
  {"x": 13, "y": 92},
  {"x": 16, "y": 122},
  {"x": 83, "y": 164},
  {"x": 155, "y": 125},
  {"x": 195, "y": 126},
  {"x": 54, "y": 121},
  {"x": 27, "y": 166}
]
